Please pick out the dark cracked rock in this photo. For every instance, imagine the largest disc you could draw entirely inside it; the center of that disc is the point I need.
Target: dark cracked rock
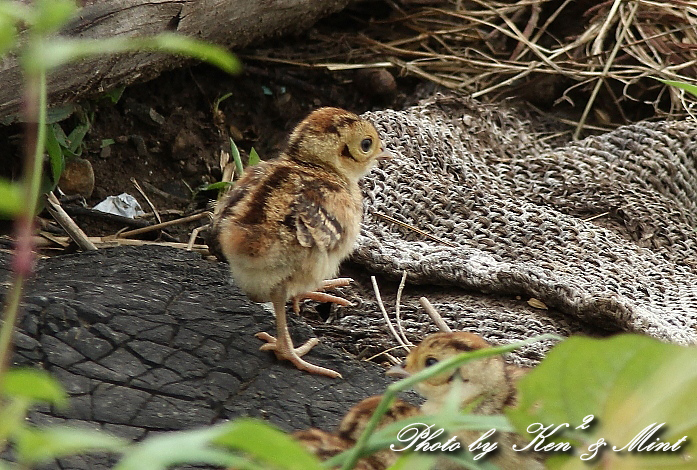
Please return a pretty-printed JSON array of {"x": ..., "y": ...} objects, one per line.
[{"x": 152, "y": 339}]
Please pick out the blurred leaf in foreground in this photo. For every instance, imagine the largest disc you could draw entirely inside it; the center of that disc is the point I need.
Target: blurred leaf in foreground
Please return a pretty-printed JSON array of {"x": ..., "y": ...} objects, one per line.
[
  {"x": 40, "y": 445},
  {"x": 631, "y": 384},
  {"x": 10, "y": 198},
  {"x": 162, "y": 451},
  {"x": 269, "y": 445},
  {"x": 34, "y": 384}
]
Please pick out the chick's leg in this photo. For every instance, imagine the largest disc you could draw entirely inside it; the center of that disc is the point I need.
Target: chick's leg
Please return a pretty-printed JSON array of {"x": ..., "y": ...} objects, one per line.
[
  {"x": 282, "y": 344},
  {"x": 322, "y": 296}
]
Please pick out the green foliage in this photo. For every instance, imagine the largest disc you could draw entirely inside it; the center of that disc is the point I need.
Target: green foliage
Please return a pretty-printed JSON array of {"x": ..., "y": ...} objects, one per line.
[
  {"x": 253, "y": 157},
  {"x": 15, "y": 12},
  {"x": 115, "y": 94},
  {"x": 34, "y": 445},
  {"x": 56, "y": 156},
  {"x": 627, "y": 382},
  {"x": 236, "y": 157},
  {"x": 8, "y": 33},
  {"x": 268, "y": 445},
  {"x": 48, "y": 16},
  {"x": 34, "y": 385},
  {"x": 239, "y": 167},
  {"x": 197, "y": 446},
  {"x": 216, "y": 103},
  {"x": 692, "y": 89},
  {"x": 10, "y": 199},
  {"x": 39, "y": 51},
  {"x": 215, "y": 186},
  {"x": 60, "y": 147},
  {"x": 62, "y": 50},
  {"x": 12, "y": 417},
  {"x": 448, "y": 420},
  {"x": 59, "y": 113},
  {"x": 23, "y": 388}
]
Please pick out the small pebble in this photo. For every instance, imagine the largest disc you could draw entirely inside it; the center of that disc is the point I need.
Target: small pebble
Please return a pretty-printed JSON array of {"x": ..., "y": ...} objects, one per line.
[
  {"x": 77, "y": 178},
  {"x": 376, "y": 82}
]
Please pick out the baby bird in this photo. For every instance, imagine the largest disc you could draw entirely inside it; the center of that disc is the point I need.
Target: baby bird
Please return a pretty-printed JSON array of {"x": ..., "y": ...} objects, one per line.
[
  {"x": 489, "y": 382},
  {"x": 490, "y": 379},
  {"x": 326, "y": 445},
  {"x": 288, "y": 223}
]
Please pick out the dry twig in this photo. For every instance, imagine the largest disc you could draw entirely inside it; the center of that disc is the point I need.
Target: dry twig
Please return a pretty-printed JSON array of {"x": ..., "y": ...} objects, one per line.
[
  {"x": 435, "y": 316},
  {"x": 147, "y": 199},
  {"x": 483, "y": 47},
  {"x": 106, "y": 242},
  {"x": 417, "y": 230},
  {"x": 150, "y": 228},
  {"x": 376, "y": 289},
  {"x": 397, "y": 308},
  {"x": 75, "y": 232}
]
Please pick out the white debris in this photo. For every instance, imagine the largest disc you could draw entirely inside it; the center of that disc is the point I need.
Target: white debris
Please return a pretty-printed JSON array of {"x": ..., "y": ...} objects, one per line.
[{"x": 124, "y": 204}]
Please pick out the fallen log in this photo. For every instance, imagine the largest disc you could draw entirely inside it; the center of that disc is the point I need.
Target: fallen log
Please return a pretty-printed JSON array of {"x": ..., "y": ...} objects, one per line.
[{"x": 230, "y": 23}]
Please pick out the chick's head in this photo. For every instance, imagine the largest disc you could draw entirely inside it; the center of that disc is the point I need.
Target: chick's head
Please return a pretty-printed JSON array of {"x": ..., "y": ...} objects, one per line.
[
  {"x": 479, "y": 377},
  {"x": 338, "y": 140}
]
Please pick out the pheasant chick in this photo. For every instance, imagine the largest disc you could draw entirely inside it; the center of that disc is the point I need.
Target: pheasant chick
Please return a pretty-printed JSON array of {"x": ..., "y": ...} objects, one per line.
[{"x": 288, "y": 223}]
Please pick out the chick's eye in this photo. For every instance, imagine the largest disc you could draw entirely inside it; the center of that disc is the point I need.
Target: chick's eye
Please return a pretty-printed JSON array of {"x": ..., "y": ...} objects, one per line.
[
  {"x": 366, "y": 144},
  {"x": 430, "y": 361}
]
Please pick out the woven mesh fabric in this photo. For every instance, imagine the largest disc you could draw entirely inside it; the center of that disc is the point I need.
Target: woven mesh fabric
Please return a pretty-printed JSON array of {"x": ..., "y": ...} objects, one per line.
[{"x": 602, "y": 231}]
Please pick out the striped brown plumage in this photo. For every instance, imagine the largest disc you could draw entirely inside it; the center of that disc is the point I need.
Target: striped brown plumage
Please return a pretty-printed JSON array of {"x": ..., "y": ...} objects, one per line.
[{"x": 288, "y": 223}]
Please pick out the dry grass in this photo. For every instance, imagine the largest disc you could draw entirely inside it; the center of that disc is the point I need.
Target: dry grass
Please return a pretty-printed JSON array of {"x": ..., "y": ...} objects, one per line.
[{"x": 587, "y": 54}]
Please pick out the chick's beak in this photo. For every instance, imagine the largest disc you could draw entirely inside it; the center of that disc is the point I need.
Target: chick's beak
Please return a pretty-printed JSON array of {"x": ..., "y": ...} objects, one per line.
[
  {"x": 384, "y": 155},
  {"x": 397, "y": 372}
]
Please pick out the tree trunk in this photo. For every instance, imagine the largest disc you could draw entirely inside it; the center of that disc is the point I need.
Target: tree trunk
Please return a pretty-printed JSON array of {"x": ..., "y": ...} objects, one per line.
[{"x": 231, "y": 23}]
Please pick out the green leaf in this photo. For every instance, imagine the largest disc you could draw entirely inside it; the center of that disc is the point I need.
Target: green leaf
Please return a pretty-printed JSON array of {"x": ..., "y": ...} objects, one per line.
[
  {"x": 61, "y": 50},
  {"x": 13, "y": 416},
  {"x": 194, "y": 447},
  {"x": 417, "y": 461},
  {"x": 236, "y": 157},
  {"x": 269, "y": 445},
  {"x": 55, "y": 152},
  {"x": 213, "y": 186},
  {"x": 16, "y": 11},
  {"x": 8, "y": 34},
  {"x": 384, "y": 437},
  {"x": 38, "y": 445},
  {"x": 115, "y": 94},
  {"x": 34, "y": 384},
  {"x": 51, "y": 15},
  {"x": 76, "y": 137},
  {"x": 216, "y": 103},
  {"x": 182, "y": 45},
  {"x": 60, "y": 136},
  {"x": 692, "y": 89},
  {"x": 627, "y": 383},
  {"x": 253, "y": 157},
  {"x": 10, "y": 198},
  {"x": 59, "y": 113},
  {"x": 106, "y": 143}
]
